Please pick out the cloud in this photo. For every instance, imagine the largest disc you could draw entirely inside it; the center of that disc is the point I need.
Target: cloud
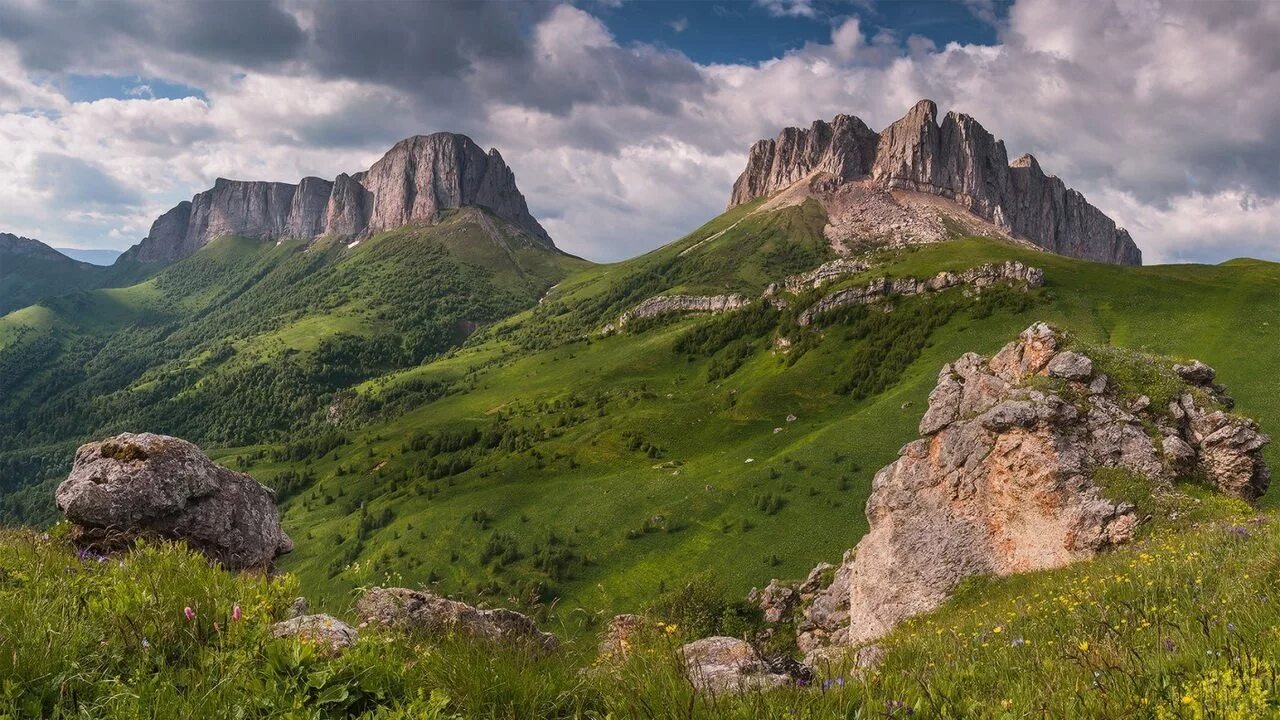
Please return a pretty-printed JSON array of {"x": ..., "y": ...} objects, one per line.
[
  {"x": 75, "y": 182},
  {"x": 679, "y": 24},
  {"x": 1165, "y": 114}
]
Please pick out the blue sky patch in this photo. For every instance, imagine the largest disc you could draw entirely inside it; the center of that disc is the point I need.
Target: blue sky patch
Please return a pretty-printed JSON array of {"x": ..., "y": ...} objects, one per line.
[{"x": 87, "y": 88}]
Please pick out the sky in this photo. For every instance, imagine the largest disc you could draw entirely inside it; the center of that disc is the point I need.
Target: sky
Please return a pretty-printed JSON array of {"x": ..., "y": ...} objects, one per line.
[{"x": 627, "y": 121}]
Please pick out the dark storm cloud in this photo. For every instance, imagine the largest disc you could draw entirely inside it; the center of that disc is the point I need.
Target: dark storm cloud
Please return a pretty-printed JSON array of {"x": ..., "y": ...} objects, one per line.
[{"x": 102, "y": 36}]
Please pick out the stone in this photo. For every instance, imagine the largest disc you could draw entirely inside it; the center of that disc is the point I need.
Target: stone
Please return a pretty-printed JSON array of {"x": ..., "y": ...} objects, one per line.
[
  {"x": 668, "y": 304},
  {"x": 1071, "y": 366},
  {"x": 1196, "y": 373},
  {"x": 328, "y": 633},
  {"x": 725, "y": 665},
  {"x": 298, "y": 607},
  {"x": 776, "y": 601},
  {"x": 424, "y": 612},
  {"x": 620, "y": 636},
  {"x": 154, "y": 486},
  {"x": 1010, "y": 272},
  {"x": 416, "y": 182},
  {"x": 1002, "y": 482},
  {"x": 956, "y": 160}
]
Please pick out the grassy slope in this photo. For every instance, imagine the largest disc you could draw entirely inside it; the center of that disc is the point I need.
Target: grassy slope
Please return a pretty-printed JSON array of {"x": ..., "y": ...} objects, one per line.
[
  {"x": 196, "y": 350},
  {"x": 1177, "y": 626},
  {"x": 584, "y": 484}
]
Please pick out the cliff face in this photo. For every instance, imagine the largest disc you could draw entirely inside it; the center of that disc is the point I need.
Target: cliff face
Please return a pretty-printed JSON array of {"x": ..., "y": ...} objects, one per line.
[
  {"x": 958, "y": 160},
  {"x": 415, "y": 182}
]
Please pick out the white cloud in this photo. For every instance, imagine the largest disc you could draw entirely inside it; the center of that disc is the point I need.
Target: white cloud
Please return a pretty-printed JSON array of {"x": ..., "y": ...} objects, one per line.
[{"x": 1165, "y": 115}]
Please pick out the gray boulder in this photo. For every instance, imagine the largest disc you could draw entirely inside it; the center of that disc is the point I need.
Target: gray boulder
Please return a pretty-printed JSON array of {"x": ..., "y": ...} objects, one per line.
[
  {"x": 145, "y": 485},
  {"x": 328, "y": 633},
  {"x": 415, "y": 610},
  {"x": 720, "y": 665}
]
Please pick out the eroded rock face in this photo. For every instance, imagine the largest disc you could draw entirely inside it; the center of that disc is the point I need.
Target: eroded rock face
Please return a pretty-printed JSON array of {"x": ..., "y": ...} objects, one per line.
[
  {"x": 1011, "y": 272},
  {"x": 957, "y": 160},
  {"x": 417, "y": 181},
  {"x": 147, "y": 485},
  {"x": 1002, "y": 480},
  {"x": 328, "y": 633},
  {"x": 718, "y": 665},
  {"x": 667, "y": 304},
  {"x": 424, "y": 612}
]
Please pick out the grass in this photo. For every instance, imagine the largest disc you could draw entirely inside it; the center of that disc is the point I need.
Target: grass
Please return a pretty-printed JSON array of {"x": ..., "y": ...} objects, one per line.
[{"x": 1178, "y": 625}]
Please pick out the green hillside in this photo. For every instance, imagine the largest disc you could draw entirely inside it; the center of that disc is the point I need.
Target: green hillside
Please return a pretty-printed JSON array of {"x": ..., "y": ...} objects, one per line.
[
  {"x": 541, "y": 461},
  {"x": 247, "y": 341}
]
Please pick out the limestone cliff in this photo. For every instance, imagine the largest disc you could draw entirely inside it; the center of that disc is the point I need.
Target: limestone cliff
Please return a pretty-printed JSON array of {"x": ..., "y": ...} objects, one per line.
[
  {"x": 1005, "y": 478},
  {"x": 417, "y": 181},
  {"x": 956, "y": 159}
]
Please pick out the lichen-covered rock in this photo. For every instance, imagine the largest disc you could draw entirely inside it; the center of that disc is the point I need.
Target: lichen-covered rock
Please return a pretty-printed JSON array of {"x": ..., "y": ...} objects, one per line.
[
  {"x": 423, "y": 612},
  {"x": 1003, "y": 480},
  {"x": 718, "y": 665},
  {"x": 328, "y": 633},
  {"x": 1196, "y": 373},
  {"x": 147, "y": 485}
]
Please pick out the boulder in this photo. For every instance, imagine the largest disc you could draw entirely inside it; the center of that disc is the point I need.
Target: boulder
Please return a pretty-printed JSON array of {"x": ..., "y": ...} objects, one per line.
[
  {"x": 776, "y": 601},
  {"x": 419, "y": 611},
  {"x": 328, "y": 633},
  {"x": 145, "y": 485},
  {"x": 1002, "y": 480},
  {"x": 621, "y": 634},
  {"x": 1196, "y": 373},
  {"x": 719, "y": 665}
]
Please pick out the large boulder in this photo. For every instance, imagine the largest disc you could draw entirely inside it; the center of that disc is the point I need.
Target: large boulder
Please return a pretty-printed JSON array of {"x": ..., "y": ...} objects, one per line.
[
  {"x": 145, "y": 485},
  {"x": 423, "y": 612},
  {"x": 717, "y": 665},
  {"x": 1005, "y": 479}
]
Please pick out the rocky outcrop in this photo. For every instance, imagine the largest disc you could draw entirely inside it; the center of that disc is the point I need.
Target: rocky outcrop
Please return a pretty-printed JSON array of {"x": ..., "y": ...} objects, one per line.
[
  {"x": 1011, "y": 272},
  {"x": 154, "y": 486},
  {"x": 1004, "y": 479},
  {"x": 957, "y": 160},
  {"x": 844, "y": 149},
  {"x": 415, "y": 182},
  {"x": 423, "y": 612},
  {"x": 718, "y": 665},
  {"x": 667, "y": 304},
  {"x": 827, "y": 272},
  {"x": 326, "y": 632}
]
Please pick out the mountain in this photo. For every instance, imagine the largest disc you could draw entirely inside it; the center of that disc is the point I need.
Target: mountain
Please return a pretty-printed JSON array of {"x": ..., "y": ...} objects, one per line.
[
  {"x": 93, "y": 256},
  {"x": 31, "y": 270},
  {"x": 416, "y": 182},
  {"x": 872, "y": 184}
]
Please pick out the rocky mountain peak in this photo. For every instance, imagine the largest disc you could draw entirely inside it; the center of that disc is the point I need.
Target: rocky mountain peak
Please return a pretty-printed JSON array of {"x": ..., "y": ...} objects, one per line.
[
  {"x": 957, "y": 159},
  {"x": 415, "y": 182}
]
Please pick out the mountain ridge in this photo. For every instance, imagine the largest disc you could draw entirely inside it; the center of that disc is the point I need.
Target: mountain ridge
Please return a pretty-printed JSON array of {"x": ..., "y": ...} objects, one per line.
[
  {"x": 416, "y": 181},
  {"x": 956, "y": 159}
]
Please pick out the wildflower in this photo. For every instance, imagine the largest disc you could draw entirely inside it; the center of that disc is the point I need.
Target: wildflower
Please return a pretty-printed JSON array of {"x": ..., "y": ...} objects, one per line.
[
  {"x": 188, "y": 613},
  {"x": 997, "y": 629},
  {"x": 235, "y": 613},
  {"x": 1187, "y": 699},
  {"x": 1084, "y": 646}
]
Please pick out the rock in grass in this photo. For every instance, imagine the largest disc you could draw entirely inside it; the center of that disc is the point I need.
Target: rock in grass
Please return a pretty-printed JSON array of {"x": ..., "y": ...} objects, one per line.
[
  {"x": 419, "y": 611},
  {"x": 328, "y": 633},
  {"x": 719, "y": 665},
  {"x": 145, "y": 485},
  {"x": 1007, "y": 479}
]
